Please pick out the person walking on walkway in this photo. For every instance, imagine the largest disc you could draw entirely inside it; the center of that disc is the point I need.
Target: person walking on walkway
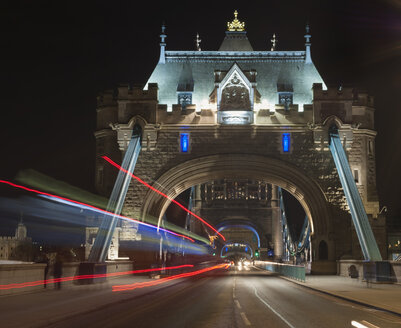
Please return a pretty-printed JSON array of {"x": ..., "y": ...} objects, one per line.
[
  {"x": 46, "y": 270},
  {"x": 58, "y": 271}
]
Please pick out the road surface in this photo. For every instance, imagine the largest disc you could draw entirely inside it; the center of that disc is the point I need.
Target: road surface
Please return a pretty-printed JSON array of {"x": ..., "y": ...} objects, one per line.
[{"x": 231, "y": 298}]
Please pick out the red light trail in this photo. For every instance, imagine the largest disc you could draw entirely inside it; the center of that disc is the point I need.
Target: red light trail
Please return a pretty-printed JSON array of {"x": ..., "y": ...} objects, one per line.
[
  {"x": 90, "y": 276},
  {"x": 162, "y": 194},
  {"x": 95, "y": 208},
  {"x": 118, "y": 288}
]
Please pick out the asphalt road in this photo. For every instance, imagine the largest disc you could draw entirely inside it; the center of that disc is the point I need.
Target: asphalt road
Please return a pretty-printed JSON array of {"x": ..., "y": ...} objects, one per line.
[{"x": 234, "y": 298}]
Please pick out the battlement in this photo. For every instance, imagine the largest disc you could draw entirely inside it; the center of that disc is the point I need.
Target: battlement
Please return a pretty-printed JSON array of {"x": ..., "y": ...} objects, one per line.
[
  {"x": 332, "y": 93},
  {"x": 4, "y": 238},
  {"x": 136, "y": 92},
  {"x": 362, "y": 98},
  {"x": 106, "y": 98}
]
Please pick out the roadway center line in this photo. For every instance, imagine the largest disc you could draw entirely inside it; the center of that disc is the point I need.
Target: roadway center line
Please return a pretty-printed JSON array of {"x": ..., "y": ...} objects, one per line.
[
  {"x": 274, "y": 311},
  {"x": 246, "y": 321},
  {"x": 370, "y": 324},
  {"x": 237, "y": 304}
]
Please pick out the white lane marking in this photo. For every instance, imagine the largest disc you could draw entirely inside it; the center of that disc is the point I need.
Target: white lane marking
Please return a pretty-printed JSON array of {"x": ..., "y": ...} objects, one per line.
[
  {"x": 246, "y": 321},
  {"x": 274, "y": 311},
  {"x": 359, "y": 325},
  {"x": 371, "y": 325},
  {"x": 237, "y": 304}
]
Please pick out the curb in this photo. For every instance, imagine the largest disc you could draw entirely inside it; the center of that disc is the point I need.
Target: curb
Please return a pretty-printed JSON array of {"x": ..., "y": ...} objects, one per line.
[{"x": 343, "y": 298}]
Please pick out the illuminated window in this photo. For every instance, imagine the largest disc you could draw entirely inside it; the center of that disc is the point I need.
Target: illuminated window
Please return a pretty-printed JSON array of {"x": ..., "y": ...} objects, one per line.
[
  {"x": 286, "y": 142},
  {"x": 184, "y": 142}
]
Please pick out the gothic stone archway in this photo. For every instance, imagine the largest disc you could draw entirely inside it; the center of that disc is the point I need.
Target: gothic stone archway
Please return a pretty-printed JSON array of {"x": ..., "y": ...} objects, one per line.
[{"x": 285, "y": 175}]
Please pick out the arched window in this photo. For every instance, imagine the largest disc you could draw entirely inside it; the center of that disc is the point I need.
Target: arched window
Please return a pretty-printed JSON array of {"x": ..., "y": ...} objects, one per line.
[{"x": 323, "y": 251}]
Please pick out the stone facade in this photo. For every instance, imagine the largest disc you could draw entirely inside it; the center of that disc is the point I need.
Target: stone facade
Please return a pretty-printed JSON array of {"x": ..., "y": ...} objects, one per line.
[
  {"x": 309, "y": 155},
  {"x": 8, "y": 244},
  {"x": 245, "y": 144}
]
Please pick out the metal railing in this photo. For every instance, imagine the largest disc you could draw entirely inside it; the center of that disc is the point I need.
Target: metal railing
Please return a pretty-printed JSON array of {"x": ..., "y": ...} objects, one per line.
[{"x": 296, "y": 272}]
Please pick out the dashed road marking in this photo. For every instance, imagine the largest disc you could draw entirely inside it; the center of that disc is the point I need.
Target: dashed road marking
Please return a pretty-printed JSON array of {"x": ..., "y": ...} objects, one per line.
[
  {"x": 245, "y": 319},
  {"x": 237, "y": 304}
]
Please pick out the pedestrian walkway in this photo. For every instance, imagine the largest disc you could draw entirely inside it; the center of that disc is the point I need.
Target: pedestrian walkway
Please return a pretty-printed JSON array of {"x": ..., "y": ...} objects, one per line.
[{"x": 385, "y": 297}]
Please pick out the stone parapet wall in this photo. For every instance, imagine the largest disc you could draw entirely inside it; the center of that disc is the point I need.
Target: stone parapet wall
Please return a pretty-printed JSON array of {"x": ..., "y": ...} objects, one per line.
[
  {"x": 22, "y": 273},
  {"x": 344, "y": 269}
]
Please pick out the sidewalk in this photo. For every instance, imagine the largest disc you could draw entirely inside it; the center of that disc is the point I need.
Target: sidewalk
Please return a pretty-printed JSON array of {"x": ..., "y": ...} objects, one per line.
[
  {"x": 50, "y": 305},
  {"x": 386, "y": 297}
]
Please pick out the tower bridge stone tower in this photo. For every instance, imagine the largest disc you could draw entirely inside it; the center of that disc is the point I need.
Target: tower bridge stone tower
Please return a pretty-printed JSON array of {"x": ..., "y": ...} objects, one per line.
[{"x": 238, "y": 113}]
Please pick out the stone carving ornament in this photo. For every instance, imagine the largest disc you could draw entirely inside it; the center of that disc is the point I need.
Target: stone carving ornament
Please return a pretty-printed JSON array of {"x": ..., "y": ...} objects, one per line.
[{"x": 235, "y": 95}]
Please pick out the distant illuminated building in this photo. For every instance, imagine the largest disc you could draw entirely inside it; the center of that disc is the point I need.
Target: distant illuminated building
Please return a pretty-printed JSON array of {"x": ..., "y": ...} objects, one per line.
[{"x": 8, "y": 244}]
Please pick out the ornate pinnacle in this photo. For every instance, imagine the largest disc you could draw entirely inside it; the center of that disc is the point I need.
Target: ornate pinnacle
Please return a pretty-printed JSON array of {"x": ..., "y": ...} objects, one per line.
[
  {"x": 274, "y": 42},
  {"x": 198, "y": 41},
  {"x": 307, "y": 35},
  {"x": 163, "y": 36},
  {"x": 235, "y": 25}
]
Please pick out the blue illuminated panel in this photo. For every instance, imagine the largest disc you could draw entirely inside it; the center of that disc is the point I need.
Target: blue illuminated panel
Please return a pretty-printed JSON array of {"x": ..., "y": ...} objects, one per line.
[
  {"x": 184, "y": 142},
  {"x": 286, "y": 142}
]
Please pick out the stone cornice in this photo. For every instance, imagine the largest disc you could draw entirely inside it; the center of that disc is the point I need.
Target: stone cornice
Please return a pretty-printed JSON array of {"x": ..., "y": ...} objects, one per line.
[
  {"x": 103, "y": 133},
  {"x": 233, "y": 128},
  {"x": 369, "y": 132},
  {"x": 254, "y": 56}
]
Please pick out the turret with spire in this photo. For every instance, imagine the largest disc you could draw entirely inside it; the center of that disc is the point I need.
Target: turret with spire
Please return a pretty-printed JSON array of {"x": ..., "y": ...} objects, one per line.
[
  {"x": 308, "y": 58},
  {"x": 20, "y": 232},
  {"x": 163, "y": 36}
]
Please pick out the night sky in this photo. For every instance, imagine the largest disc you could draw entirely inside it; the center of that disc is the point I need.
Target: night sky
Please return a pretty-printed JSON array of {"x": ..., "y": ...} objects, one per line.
[{"x": 57, "y": 56}]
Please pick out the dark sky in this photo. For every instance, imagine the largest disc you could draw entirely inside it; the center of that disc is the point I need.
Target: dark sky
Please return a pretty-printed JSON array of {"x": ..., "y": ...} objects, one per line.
[{"x": 57, "y": 56}]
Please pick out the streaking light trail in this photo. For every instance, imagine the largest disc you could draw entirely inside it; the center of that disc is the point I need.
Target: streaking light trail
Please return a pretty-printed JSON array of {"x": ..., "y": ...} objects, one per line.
[
  {"x": 94, "y": 208},
  {"x": 91, "y": 276},
  {"x": 162, "y": 194},
  {"x": 118, "y": 288}
]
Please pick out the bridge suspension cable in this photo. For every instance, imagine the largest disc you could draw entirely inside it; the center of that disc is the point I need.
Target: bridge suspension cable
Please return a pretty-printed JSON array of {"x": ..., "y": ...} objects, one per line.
[
  {"x": 106, "y": 230},
  {"x": 364, "y": 232}
]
